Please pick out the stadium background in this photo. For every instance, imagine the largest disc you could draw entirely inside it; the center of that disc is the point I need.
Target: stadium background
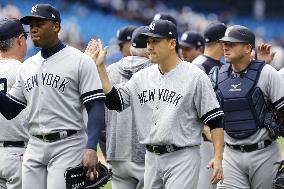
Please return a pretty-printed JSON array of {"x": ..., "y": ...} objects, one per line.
[{"x": 86, "y": 19}]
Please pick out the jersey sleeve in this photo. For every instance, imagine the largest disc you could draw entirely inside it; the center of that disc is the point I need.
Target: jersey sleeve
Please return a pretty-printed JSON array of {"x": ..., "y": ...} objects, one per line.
[
  {"x": 90, "y": 86},
  {"x": 205, "y": 100},
  {"x": 17, "y": 91},
  {"x": 275, "y": 88}
]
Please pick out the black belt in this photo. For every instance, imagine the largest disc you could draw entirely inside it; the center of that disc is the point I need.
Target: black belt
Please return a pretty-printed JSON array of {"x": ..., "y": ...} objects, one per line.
[
  {"x": 18, "y": 144},
  {"x": 251, "y": 147},
  {"x": 52, "y": 137},
  {"x": 162, "y": 149}
]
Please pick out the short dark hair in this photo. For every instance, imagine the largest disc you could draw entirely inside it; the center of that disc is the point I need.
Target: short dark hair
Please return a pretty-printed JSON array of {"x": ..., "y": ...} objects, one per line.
[{"x": 7, "y": 44}]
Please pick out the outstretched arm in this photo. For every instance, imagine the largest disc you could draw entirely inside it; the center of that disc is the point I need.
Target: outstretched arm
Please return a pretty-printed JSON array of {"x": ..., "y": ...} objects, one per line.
[{"x": 98, "y": 54}]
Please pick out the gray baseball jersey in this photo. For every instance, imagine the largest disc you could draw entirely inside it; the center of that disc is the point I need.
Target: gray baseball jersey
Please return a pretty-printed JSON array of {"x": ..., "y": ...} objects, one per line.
[
  {"x": 15, "y": 129},
  {"x": 176, "y": 104},
  {"x": 255, "y": 169},
  {"x": 11, "y": 130},
  {"x": 122, "y": 138},
  {"x": 56, "y": 89}
]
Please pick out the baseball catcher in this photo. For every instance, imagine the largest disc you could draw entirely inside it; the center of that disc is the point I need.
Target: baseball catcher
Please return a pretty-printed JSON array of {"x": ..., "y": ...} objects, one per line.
[
  {"x": 75, "y": 177},
  {"x": 278, "y": 182}
]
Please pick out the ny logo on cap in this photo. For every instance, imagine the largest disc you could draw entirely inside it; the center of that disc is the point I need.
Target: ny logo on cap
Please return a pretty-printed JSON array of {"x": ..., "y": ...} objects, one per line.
[
  {"x": 184, "y": 36},
  {"x": 52, "y": 15},
  {"x": 34, "y": 9},
  {"x": 152, "y": 26},
  {"x": 227, "y": 32},
  {"x": 117, "y": 33}
]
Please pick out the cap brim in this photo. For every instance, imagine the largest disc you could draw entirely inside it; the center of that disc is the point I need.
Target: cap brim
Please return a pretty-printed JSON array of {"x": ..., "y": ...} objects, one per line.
[
  {"x": 230, "y": 39},
  {"x": 146, "y": 35},
  {"x": 26, "y": 20}
]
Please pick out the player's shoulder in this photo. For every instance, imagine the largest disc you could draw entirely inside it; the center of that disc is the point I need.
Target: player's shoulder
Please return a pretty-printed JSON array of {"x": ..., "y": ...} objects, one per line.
[
  {"x": 113, "y": 66},
  {"x": 33, "y": 59},
  {"x": 199, "y": 60},
  {"x": 268, "y": 70},
  {"x": 191, "y": 68}
]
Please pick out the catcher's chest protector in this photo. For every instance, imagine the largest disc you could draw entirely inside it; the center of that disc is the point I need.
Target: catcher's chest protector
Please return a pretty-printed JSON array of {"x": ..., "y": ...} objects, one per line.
[{"x": 242, "y": 102}]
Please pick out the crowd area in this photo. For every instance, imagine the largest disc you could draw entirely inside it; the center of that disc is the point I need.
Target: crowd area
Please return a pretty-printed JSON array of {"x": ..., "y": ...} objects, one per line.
[{"x": 143, "y": 12}]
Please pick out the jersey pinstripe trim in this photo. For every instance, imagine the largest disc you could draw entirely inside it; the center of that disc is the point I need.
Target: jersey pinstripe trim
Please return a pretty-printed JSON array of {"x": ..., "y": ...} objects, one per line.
[
  {"x": 93, "y": 95},
  {"x": 217, "y": 112},
  {"x": 16, "y": 100},
  {"x": 120, "y": 98},
  {"x": 279, "y": 103}
]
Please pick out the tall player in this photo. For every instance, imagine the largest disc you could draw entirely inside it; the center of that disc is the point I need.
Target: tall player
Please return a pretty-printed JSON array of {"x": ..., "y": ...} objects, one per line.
[
  {"x": 212, "y": 54},
  {"x": 169, "y": 116},
  {"x": 13, "y": 133},
  {"x": 55, "y": 83}
]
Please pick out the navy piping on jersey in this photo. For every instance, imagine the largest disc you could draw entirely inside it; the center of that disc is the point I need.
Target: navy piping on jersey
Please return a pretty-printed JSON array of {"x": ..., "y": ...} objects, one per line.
[
  {"x": 279, "y": 103},
  {"x": 217, "y": 112},
  {"x": 114, "y": 100},
  {"x": 45, "y": 53},
  {"x": 10, "y": 107},
  {"x": 93, "y": 95}
]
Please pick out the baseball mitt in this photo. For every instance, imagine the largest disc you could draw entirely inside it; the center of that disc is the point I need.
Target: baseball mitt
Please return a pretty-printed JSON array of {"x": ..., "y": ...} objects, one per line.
[
  {"x": 278, "y": 182},
  {"x": 75, "y": 177}
]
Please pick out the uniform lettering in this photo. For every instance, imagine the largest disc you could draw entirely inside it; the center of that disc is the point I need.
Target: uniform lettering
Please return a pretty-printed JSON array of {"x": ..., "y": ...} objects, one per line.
[
  {"x": 151, "y": 95},
  {"x": 63, "y": 85},
  {"x": 178, "y": 97},
  {"x": 164, "y": 95},
  {"x": 55, "y": 81},
  {"x": 48, "y": 79}
]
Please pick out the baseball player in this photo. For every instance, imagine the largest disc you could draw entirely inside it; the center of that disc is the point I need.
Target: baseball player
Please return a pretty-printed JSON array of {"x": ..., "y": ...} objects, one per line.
[
  {"x": 13, "y": 133},
  {"x": 55, "y": 83},
  {"x": 192, "y": 45},
  {"x": 212, "y": 53},
  {"x": 245, "y": 87},
  {"x": 124, "y": 36},
  {"x": 169, "y": 116},
  {"x": 124, "y": 152}
]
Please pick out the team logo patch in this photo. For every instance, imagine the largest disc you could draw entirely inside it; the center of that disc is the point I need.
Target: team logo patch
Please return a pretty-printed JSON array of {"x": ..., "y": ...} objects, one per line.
[
  {"x": 52, "y": 15},
  {"x": 34, "y": 9},
  {"x": 235, "y": 87},
  {"x": 184, "y": 36},
  {"x": 152, "y": 26}
]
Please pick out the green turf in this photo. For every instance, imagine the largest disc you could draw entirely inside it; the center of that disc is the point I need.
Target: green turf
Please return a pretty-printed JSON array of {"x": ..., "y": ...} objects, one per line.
[{"x": 281, "y": 142}]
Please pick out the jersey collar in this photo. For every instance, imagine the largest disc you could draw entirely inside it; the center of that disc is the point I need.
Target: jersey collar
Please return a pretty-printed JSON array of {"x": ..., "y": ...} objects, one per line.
[{"x": 46, "y": 53}]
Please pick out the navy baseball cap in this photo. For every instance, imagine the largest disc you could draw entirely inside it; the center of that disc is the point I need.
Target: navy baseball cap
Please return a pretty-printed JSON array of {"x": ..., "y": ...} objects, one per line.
[
  {"x": 192, "y": 38},
  {"x": 124, "y": 34},
  {"x": 9, "y": 28},
  {"x": 136, "y": 40},
  {"x": 214, "y": 32},
  {"x": 161, "y": 29},
  {"x": 239, "y": 34},
  {"x": 165, "y": 16},
  {"x": 44, "y": 11}
]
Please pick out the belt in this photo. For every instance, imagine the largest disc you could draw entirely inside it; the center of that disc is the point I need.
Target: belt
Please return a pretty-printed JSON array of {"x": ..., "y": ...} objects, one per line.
[
  {"x": 162, "y": 149},
  {"x": 18, "y": 144},
  {"x": 251, "y": 147},
  {"x": 52, "y": 137}
]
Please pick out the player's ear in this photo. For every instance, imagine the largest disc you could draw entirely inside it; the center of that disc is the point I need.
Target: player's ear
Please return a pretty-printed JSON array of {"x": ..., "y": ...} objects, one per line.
[
  {"x": 173, "y": 44},
  {"x": 56, "y": 27}
]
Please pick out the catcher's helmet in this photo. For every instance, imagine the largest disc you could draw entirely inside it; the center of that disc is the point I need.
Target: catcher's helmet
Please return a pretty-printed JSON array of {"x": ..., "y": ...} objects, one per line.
[{"x": 239, "y": 33}]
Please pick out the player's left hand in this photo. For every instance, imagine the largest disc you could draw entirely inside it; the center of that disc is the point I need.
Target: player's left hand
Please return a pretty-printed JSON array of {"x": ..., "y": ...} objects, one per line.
[
  {"x": 90, "y": 161},
  {"x": 264, "y": 54},
  {"x": 217, "y": 176}
]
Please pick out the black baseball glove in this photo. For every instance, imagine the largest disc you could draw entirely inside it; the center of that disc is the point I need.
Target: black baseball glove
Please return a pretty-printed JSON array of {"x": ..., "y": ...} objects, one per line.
[
  {"x": 278, "y": 182},
  {"x": 75, "y": 177}
]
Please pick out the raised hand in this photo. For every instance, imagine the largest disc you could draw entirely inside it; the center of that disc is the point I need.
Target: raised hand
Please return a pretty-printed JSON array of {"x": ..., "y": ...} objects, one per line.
[{"x": 264, "y": 54}]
